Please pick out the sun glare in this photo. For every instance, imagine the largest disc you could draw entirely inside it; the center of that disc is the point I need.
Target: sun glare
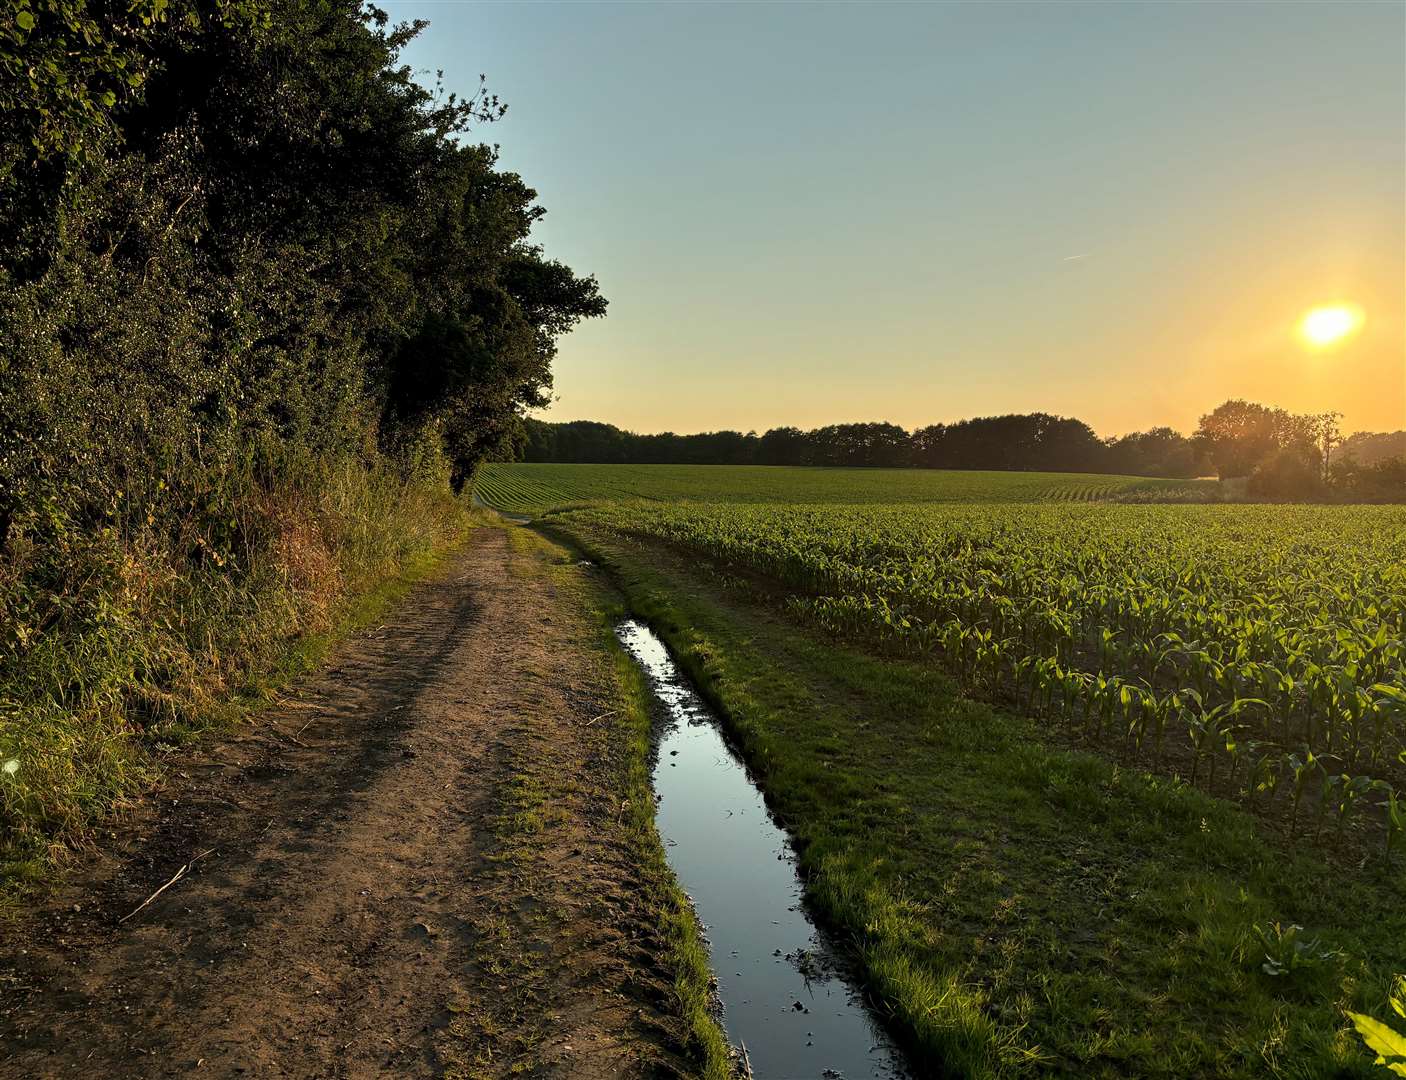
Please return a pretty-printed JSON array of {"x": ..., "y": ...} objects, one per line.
[{"x": 1329, "y": 325}]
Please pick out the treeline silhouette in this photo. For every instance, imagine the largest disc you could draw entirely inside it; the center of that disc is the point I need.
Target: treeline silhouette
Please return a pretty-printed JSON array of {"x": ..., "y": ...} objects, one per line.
[
  {"x": 1277, "y": 454},
  {"x": 1032, "y": 441}
]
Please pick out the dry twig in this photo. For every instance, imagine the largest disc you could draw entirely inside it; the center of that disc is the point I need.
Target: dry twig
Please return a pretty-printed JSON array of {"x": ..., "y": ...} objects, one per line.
[{"x": 179, "y": 874}]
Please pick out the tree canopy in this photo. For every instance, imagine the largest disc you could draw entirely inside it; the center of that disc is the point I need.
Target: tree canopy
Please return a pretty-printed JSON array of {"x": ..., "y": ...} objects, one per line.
[{"x": 235, "y": 233}]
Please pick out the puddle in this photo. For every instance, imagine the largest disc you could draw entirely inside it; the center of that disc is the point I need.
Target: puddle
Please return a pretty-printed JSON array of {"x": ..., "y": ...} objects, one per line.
[{"x": 784, "y": 994}]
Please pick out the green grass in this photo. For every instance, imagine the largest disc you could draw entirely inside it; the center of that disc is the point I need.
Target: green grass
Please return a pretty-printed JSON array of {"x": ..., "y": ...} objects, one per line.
[
  {"x": 687, "y": 954},
  {"x": 535, "y": 488},
  {"x": 1021, "y": 908}
]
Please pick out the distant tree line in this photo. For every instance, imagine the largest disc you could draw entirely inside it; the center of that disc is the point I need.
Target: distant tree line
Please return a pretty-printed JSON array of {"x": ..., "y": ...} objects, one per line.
[
  {"x": 1033, "y": 441},
  {"x": 1275, "y": 453},
  {"x": 1278, "y": 454}
]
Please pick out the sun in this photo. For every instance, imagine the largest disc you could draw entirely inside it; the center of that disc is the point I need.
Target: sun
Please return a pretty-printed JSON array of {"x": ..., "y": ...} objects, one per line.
[{"x": 1325, "y": 326}]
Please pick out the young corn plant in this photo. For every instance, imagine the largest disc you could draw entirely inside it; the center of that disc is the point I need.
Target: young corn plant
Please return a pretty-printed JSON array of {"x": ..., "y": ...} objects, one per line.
[
  {"x": 1349, "y": 790},
  {"x": 1266, "y": 768},
  {"x": 1302, "y": 770},
  {"x": 1394, "y": 808}
]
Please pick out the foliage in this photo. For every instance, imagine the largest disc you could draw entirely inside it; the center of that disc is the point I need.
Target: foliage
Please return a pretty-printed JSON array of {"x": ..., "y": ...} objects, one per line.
[
  {"x": 65, "y": 65},
  {"x": 1239, "y": 434},
  {"x": 243, "y": 253},
  {"x": 1384, "y": 480},
  {"x": 1283, "y": 457},
  {"x": 1036, "y": 441},
  {"x": 280, "y": 235},
  {"x": 1388, "y": 1043},
  {"x": 1285, "y": 952},
  {"x": 1290, "y": 472},
  {"x": 1369, "y": 448}
]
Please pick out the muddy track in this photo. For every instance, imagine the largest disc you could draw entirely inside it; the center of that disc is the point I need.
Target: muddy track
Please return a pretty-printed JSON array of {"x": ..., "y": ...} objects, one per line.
[{"x": 410, "y": 867}]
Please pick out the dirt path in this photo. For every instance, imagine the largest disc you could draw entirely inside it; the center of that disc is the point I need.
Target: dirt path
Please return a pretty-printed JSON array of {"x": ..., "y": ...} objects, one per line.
[{"x": 414, "y": 868}]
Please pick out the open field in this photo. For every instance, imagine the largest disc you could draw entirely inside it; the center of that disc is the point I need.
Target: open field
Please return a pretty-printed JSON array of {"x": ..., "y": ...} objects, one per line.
[
  {"x": 534, "y": 488},
  {"x": 1068, "y": 774}
]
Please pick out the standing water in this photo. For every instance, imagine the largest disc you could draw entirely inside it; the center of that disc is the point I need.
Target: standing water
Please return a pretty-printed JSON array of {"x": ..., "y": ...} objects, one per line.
[{"x": 785, "y": 997}]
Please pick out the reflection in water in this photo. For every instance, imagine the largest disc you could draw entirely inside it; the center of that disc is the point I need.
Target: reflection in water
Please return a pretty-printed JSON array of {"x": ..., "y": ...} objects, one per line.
[{"x": 782, "y": 995}]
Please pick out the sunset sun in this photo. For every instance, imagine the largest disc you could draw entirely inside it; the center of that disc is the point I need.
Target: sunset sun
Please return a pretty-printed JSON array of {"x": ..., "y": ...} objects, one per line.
[{"x": 1328, "y": 325}]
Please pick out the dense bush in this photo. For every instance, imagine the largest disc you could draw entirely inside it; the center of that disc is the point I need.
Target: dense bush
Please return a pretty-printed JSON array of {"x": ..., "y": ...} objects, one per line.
[
  {"x": 263, "y": 301},
  {"x": 1381, "y": 481},
  {"x": 1290, "y": 472}
]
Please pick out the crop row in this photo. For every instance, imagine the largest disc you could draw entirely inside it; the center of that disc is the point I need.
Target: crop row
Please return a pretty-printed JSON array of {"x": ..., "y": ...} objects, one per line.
[{"x": 537, "y": 486}]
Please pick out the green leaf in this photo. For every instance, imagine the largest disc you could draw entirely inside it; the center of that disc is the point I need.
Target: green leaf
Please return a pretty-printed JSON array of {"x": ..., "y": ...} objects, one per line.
[
  {"x": 1388, "y": 1045},
  {"x": 25, "y": 20}
]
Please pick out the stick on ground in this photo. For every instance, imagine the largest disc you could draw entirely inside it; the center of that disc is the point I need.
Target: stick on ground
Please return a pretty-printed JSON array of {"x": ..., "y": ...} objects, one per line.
[{"x": 179, "y": 874}]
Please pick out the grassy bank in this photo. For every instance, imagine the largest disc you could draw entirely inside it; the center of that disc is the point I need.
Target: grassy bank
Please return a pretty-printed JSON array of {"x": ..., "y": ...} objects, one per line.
[
  {"x": 124, "y": 641},
  {"x": 1018, "y": 907},
  {"x": 686, "y": 957}
]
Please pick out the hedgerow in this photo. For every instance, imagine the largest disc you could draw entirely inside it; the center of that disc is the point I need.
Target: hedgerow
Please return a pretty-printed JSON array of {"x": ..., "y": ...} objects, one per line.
[{"x": 265, "y": 304}]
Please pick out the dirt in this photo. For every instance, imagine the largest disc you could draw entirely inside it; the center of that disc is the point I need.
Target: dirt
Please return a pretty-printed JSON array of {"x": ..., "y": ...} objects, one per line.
[{"x": 411, "y": 866}]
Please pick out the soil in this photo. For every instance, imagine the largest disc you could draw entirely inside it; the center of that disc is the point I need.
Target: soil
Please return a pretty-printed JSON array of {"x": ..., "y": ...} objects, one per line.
[{"x": 413, "y": 865}]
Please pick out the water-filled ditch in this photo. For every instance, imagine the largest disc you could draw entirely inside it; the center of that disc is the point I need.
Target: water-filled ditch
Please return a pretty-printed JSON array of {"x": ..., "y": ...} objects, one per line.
[{"x": 785, "y": 991}]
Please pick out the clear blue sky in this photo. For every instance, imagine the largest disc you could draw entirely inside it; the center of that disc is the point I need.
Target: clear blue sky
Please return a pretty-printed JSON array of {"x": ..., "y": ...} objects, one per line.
[{"x": 810, "y": 213}]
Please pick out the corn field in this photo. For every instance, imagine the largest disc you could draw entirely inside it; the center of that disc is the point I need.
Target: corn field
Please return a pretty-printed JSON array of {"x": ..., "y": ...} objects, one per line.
[{"x": 1257, "y": 651}]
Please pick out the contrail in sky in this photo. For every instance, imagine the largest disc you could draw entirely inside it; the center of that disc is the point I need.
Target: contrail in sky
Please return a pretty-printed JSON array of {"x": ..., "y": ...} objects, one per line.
[{"x": 1071, "y": 258}]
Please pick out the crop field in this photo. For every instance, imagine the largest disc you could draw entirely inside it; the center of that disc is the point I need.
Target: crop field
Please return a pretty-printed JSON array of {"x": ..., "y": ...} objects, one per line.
[
  {"x": 1189, "y": 738},
  {"x": 1260, "y": 649},
  {"x": 534, "y": 488}
]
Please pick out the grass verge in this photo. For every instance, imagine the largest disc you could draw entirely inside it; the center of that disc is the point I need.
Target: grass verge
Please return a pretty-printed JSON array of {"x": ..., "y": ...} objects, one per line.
[
  {"x": 687, "y": 955},
  {"x": 126, "y": 644},
  {"x": 1021, "y": 908}
]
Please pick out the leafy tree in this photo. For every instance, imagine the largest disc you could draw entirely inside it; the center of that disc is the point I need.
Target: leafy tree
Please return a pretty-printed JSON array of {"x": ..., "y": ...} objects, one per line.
[
  {"x": 784, "y": 446},
  {"x": 1368, "y": 448},
  {"x": 1160, "y": 451},
  {"x": 1381, "y": 481},
  {"x": 1239, "y": 434}
]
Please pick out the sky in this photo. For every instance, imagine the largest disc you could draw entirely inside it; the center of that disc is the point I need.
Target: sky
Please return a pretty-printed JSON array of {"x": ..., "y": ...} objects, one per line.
[{"x": 820, "y": 213}]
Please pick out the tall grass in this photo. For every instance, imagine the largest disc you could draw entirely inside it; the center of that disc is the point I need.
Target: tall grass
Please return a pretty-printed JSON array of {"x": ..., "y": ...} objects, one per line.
[{"x": 124, "y": 638}]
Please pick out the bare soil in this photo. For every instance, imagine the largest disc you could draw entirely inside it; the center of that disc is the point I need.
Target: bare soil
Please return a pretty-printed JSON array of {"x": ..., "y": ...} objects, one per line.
[{"x": 412, "y": 866}]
